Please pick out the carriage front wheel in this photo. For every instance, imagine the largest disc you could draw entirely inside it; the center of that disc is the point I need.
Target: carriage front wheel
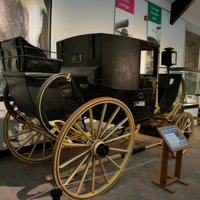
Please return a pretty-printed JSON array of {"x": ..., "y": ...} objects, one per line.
[{"x": 93, "y": 148}]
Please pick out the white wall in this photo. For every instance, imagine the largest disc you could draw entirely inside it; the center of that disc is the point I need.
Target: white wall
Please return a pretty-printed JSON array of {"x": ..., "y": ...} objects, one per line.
[
  {"x": 140, "y": 25},
  {"x": 173, "y": 36},
  {"x": 75, "y": 17},
  {"x": 192, "y": 15},
  {"x": 169, "y": 35}
]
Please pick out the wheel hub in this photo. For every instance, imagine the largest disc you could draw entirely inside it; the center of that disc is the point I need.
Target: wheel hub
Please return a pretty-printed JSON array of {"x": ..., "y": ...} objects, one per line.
[{"x": 100, "y": 149}]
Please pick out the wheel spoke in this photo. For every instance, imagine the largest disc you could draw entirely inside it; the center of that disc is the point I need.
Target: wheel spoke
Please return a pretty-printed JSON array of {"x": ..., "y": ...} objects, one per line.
[
  {"x": 18, "y": 134},
  {"x": 84, "y": 176},
  {"x": 110, "y": 121},
  {"x": 44, "y": 146},
  {"x": 91, "y": 124},
  {"x": 117, "y": 138},
  {"x": 20, "y": 115},
  {"x": 73, "y": 159},
  {"x": 101, "y": 119},
  {"x": 118, "y": 150},
  {"x": 34, "y": 146},
  {"x": 188, "y": 125},
  {"x": 189, "y": 131},
  {"x": 26, "y": 142},
  {"x": 116, "y": 128},
  {"x": 82, "y": 131},
  {"x": 76, "y": 170},
  {"x": 46, "y": 140},
  {"x": 113, "y": 162},
  {"x": 93, "y": 174},
  {"x": 75, "y": 145},
  {"x": 182, "y": 123},
  {"x": 103, "y": 171}
]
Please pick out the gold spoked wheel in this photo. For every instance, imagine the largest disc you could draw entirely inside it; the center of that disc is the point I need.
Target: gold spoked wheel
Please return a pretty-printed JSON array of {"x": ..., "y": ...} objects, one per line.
[
  {"x": 93, "y": 148},
  {"x": 185, "y": 123},
  {"x": 26, "y": 139}
]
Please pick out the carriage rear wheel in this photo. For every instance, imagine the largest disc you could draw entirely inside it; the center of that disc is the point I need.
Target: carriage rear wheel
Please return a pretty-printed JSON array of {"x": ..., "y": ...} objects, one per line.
[
  {"x": 93, "y": 148},
  {"x": 185, "y": 123},
  {"x": 26, "y": 139}
]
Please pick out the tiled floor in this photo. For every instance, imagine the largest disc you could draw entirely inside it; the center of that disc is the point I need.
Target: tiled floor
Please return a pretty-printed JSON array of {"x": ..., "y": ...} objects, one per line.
[{"x": 20, "y": 181}]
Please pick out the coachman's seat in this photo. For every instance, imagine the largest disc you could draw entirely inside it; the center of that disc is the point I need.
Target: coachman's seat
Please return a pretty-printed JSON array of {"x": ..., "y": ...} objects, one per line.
[{"x": 25, "y": 68}]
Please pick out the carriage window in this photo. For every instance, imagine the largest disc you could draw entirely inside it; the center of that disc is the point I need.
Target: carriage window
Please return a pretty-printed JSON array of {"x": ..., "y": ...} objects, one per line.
[{"x": 146, "y": 62}]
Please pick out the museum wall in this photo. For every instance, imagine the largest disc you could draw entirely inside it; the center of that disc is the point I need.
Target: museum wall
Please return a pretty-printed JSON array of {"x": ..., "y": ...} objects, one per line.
[{"x": 70, "y": 18}]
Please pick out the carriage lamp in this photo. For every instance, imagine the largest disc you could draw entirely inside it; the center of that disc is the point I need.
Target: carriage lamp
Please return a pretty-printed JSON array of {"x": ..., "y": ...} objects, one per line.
[{"x": 169, "y": 57}]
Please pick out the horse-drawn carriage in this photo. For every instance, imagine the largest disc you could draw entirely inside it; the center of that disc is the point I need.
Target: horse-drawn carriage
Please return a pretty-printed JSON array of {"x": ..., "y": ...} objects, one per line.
[{"x": 83, "y": 108}]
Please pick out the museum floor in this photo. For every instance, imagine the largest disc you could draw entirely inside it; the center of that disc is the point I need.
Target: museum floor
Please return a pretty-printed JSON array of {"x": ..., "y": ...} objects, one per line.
[{"x": 23, "y": 181}]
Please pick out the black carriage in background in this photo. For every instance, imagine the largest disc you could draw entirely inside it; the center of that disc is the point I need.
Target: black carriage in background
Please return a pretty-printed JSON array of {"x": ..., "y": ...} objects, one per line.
[{"x": 87, "y": 105}]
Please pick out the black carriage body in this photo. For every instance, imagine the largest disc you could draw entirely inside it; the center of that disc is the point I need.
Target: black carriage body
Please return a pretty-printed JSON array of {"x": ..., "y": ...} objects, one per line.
[
  {"x": 100, "y": 64},
  {"x": 24, "y": 89},
  {"x": 113, "y": 63},
  {"x": 168, "y": 87}
]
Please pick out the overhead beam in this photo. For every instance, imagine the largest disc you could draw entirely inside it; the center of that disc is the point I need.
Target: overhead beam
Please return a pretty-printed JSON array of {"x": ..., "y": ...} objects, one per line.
[{"x": 178, "y": 7}]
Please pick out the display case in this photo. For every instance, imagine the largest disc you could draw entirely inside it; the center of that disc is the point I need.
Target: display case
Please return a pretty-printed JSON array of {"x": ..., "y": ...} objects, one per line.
[
  {"x": 192, "y": 89},
  {"x": 192, "y": 83}
]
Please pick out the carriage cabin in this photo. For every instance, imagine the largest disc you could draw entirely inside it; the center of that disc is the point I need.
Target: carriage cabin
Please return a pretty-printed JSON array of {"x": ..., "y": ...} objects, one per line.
[{"x": 113, "y": 67}]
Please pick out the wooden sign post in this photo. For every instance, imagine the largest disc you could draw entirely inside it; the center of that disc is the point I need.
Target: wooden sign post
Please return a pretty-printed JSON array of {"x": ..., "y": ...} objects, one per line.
[{"x": 175, "y": 141}]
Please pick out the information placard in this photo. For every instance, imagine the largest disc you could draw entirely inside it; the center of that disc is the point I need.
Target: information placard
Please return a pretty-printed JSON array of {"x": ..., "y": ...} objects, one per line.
[{"x": 174, "y": 138}]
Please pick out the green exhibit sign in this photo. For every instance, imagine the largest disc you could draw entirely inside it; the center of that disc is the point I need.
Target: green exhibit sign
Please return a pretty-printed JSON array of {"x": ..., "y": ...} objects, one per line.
[{"x": 154, "y": 13}]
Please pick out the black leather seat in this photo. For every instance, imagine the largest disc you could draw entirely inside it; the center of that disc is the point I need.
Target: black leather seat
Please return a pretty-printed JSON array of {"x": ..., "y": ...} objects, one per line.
[
  {"x": 25, "y": 68},
  {"x": 19, "y": 55}
]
